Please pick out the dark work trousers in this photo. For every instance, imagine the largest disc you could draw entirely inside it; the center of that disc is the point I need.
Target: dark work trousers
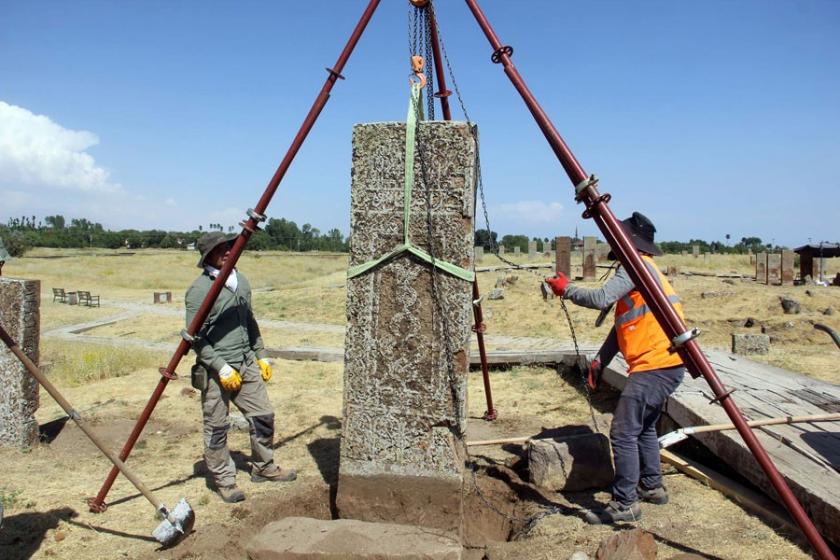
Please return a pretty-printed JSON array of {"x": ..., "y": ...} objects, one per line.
[{"x": 633, "y": 431}]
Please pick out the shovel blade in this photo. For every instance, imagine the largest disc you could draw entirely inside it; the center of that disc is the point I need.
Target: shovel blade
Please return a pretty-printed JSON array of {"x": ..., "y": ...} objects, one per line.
[{"x": 177, "y": 525}]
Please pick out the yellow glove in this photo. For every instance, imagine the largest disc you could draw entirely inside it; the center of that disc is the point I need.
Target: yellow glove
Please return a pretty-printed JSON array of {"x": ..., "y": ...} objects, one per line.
[
  {"x": 265, "y": 368},
  {"x": 230, "y": 378}
]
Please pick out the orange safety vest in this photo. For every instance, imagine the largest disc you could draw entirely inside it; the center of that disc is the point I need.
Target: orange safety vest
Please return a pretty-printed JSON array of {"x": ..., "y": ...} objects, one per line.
[{"x": 640, "y": 338}]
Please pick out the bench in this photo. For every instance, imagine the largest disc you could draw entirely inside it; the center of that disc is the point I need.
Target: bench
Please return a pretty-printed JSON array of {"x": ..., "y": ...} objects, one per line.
[
  {"x": 59, "y": 295},
  {"x": 86, "y": 299}
]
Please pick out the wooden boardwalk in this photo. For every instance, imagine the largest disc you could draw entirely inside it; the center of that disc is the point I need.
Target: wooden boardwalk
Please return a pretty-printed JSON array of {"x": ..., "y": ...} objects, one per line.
[{"x": 807, "y": 455}]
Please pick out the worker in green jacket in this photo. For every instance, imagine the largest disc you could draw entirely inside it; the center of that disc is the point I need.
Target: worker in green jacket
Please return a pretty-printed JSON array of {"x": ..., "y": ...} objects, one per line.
[{"x": 232, "y": 366}]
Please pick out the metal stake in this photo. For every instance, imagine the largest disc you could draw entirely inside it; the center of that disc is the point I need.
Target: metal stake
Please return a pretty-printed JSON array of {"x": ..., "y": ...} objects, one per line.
[
  {"x": 598, "y": 209},
  {"x": 248, "y": 228}
]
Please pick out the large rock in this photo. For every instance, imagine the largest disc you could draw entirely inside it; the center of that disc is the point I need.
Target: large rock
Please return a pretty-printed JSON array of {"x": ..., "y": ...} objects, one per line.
[
  {"x": 408, "y": 332},
  {"x": 20, "y": 304},
  {"x": 790, "y": 306},
  {"x": 572, "y": 463},
  {"x": 634, "y": 544},
  {"x": 303, "y": 538}
]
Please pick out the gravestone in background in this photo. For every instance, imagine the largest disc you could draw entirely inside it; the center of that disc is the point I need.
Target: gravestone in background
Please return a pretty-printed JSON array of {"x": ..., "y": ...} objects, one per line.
[
  {"x": 787, "y": 267},
  {"x": 761, "y": 268},
  {"x": 563, "y": 256},
  {"x": 774, "y": 269},
  {"x": 589, "y": 258}
]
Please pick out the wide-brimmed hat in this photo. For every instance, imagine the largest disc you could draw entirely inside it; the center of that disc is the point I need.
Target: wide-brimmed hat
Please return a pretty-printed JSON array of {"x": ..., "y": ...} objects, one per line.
[
  {"x": 640, "y": 230},
  {"x": 209, "y": 241}
]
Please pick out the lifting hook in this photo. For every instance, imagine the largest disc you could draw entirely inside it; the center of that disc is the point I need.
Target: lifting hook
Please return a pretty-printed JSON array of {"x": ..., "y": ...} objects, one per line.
[{"x": 417, "y": 64}]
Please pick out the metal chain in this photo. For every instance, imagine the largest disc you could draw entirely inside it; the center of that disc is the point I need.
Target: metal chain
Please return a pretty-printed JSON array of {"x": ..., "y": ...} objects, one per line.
[
  {"x": 494, "y": 246},
  {"x": 531, "y": 521},
  {"x": 429, "y": 56},
  {"x": 438, "y": 300}
]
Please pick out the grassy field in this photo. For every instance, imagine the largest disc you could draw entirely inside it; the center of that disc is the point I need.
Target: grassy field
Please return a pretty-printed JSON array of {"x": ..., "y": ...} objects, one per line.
[{"x": 43, "y": 489}]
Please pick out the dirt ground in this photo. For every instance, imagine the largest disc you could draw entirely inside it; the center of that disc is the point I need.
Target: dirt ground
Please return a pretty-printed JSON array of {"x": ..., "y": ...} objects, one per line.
[{"x": 44, "y": 488}]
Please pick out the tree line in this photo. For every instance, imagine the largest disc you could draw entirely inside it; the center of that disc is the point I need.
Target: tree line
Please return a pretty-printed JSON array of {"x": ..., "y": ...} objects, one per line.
[
  {"x": 490, "y": 239},
  {"x": 21, "y": 234}
]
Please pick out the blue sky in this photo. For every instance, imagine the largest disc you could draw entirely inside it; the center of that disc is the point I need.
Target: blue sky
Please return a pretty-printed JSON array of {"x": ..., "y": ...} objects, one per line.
[{"x": 710, "y": 117}]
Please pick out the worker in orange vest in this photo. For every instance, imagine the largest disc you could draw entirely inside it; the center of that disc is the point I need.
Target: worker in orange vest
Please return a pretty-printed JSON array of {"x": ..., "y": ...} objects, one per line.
[{"x": 654, "y": 373}]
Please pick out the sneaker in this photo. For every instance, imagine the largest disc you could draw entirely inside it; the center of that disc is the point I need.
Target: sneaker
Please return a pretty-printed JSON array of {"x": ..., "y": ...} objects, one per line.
[
  {"x": 231, "y": 494},
  {"x": 658, "y": 496},
  {"x": 614, "y": 513},
  {"x": 273, "y": 474}
]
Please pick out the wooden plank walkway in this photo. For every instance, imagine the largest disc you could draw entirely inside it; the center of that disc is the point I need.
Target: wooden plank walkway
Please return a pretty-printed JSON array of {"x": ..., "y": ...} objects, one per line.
[{"x": 807, "y": 455}]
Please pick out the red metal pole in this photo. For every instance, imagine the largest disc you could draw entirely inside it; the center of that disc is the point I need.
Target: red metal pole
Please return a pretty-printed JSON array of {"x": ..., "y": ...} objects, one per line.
[
  {"x": 480, "y": 327},
  {"x": 443, "y": 94},
  {"x": 490, "y": 414},
  {"x": 597, "y": 208},
  {"x": 97, "y": 504}
]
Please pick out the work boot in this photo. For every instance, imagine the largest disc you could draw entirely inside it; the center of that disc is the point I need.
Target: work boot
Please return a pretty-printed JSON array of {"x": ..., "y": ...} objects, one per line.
[
  {"x": 273, "y": 474},
  {"x": 231, "y": 494},
  {"x": 658, "y": 496},
  {"x": 613, "y": 513}
]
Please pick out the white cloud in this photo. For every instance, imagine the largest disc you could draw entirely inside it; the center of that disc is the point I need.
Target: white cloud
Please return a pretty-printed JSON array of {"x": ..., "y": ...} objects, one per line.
[
  {"x": 39, "y": 153},
  {"x": 170, "y": 202},
  {"x": 530, "y": 212}
]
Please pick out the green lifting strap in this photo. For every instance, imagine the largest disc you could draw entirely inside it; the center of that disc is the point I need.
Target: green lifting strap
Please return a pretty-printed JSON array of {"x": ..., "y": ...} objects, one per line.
[{"x": 415, "y": 111}]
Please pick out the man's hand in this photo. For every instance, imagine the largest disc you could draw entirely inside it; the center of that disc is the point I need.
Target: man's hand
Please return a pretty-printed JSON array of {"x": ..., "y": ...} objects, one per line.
[
  {"x": 230, "y": 378},
  {"x": 593, "y": 377},
  {"x": 265, "y": 368},
  {"x": 558, "y": 284}
]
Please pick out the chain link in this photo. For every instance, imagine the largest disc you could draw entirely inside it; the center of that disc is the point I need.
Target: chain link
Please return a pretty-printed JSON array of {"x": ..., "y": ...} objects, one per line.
[{"x": 528, "y": 522}]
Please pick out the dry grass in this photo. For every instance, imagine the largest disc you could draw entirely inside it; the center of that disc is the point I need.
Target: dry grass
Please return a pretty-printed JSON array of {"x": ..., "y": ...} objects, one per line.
[
  {"x": 44, "y": 489},
  {"x": 72, "y": 364}
]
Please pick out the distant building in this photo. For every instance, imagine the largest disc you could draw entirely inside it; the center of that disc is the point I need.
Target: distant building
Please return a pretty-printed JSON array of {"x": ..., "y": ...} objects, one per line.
[{"x": 811, "y": 256}]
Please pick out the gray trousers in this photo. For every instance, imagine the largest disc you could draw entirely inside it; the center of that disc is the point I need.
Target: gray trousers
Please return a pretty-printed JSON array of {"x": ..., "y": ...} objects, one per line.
[
  {"x": 633, "y": 431},
  {"x": 252, "y": 400}
]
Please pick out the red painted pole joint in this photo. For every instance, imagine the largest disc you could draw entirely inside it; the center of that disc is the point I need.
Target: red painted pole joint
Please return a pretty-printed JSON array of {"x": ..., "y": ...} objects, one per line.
[
  {"x": 250, "y": 225},
  {"x": 695, "y": 360}
]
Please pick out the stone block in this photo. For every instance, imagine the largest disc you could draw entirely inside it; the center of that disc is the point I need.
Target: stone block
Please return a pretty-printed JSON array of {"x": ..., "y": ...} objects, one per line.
[
  {"x": 303, "y": 538},
  {"x": 496, "y": 293},
  {"x": 479, "y": 253},
  {"x": 589, "y": 259},
  {"x": 635, "y": 544},
  {"x": 20, "y": 308},
  {"x": 695, "y": 250},
  {"x": 563, "y": 256},
  {"x": 516, "y": 250},
  {"x": 501, "y": 249},
  {"x": 750, "y": 343},
  {"x": 532, "y": 250},
  {"x": 408, "y": 334},
  {"x": 571, "y": 464},
  {"x": 774, "y": 269}
]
